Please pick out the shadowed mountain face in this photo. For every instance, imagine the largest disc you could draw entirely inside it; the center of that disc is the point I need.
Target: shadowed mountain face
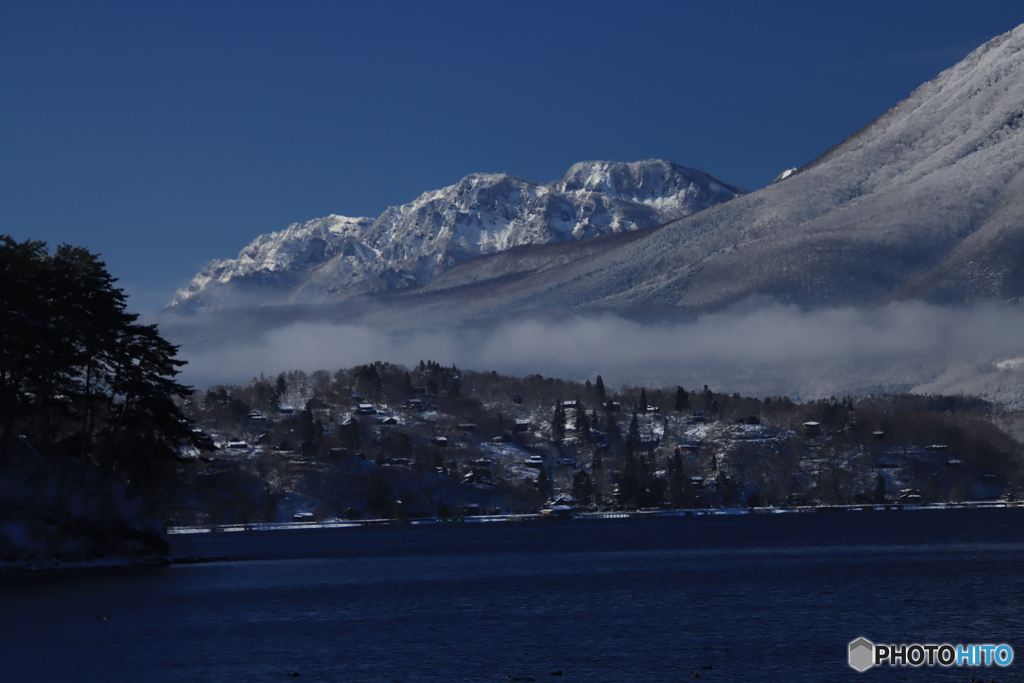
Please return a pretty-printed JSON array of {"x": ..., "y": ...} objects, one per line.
[
  {"x": 925, "y": 203},
  {"x": 331, "y": 259}
]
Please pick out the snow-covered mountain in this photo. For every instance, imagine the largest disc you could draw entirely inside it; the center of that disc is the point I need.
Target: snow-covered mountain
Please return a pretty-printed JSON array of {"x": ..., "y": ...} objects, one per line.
[
  {"x": 334, "y": 257},
  {"x": 898, "y": 255},
  {"x": 925, "y": 203}
]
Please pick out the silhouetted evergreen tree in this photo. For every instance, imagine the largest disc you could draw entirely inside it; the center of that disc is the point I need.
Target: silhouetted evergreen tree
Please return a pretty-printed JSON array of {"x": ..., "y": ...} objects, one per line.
[
  {"x": 224, "y": 407},
  {"x": 367, "y": 379},
  {"x": 629, "y": 480},
  {"x": 611, "y": 426},
  {"x": 682, "y": 400},
  {"x": 582, "y": 424},
  {"x": 634, "y": 431},
  {"x": 543, "y": 481},
  {"x": 78, "y": 374},
  {"x": 558, "y": 422},
  {"x": 582, "y": 491},
  {"x": 307, "y": 427},
  {"x": 676, "y": 474}
]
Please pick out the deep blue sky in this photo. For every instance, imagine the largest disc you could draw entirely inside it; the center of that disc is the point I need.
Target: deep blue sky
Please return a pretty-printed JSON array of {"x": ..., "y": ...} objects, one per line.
[{"x": 166, "y": 134}]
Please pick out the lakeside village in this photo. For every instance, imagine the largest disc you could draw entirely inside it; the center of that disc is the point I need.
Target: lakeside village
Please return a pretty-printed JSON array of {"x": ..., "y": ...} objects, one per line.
[
  {"x": 105, "y": 448},
  {"x": 381, "y": 442}
]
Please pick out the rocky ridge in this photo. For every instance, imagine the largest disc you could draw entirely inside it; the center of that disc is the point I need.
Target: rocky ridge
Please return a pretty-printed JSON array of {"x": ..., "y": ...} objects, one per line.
[{"x": 334, "y": 257}]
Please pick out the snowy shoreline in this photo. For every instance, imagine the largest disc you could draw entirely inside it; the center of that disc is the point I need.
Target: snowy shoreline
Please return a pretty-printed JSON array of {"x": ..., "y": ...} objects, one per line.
[
  {"x": 182, "y": 554},
  {"x": 589, "y": 516}
]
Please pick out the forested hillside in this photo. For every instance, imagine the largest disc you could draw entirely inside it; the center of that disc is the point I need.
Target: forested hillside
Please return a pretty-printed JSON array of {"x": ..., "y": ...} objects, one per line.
[{"x": 384, "y": 441}]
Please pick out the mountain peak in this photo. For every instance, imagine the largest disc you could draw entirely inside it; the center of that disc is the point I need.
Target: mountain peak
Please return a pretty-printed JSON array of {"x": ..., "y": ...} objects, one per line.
[
  {"x": 923, "y": 203},
  {"x": 905, "y": 225},
  {"x": 334, "y": 257},
  {"x": 641, "y": 179}
]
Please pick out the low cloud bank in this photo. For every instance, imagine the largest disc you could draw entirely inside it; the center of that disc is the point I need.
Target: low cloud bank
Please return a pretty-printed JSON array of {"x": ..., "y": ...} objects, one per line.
[{"x": 775, "y": 349}]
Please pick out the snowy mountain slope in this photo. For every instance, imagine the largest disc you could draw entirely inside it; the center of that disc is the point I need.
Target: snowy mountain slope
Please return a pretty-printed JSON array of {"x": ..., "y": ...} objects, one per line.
[
  {"x": 279, "y": 260},
  {"x": 926, "y": 202},
  {"x": 896, "y": 256},
  {"x": 335, "y": 257}
]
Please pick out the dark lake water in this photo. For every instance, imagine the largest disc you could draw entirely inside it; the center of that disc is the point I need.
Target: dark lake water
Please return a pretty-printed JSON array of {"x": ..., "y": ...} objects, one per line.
[{"x": 757, "y": 598}]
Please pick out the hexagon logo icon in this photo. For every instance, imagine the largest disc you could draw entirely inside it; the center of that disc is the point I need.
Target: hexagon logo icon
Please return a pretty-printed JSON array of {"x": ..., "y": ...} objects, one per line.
[{"x": 862, "y": 654}]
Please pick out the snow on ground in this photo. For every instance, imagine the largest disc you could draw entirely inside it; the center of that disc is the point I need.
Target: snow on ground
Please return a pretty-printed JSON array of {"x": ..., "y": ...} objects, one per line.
[{"x": 512, "y": 459}]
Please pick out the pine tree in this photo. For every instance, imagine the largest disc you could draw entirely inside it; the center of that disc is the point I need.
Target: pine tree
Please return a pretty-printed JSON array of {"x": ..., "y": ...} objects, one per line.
[
  {"x": 682, "y": 400},
  {"x": 634, "y": 431},
  {"x": 582, "y": 489},
  {"x": 543, "y": 481},
  {"x": 629, "y": 481},
  {"x": 676, "y": 473},
  {"x": 79, "y": 375},
  {"x": 582, "y": 425},
  {"x": 599, "y": 387},
  {"x": 611, "y": 426},
  {"x": 558, "y": 422}
]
